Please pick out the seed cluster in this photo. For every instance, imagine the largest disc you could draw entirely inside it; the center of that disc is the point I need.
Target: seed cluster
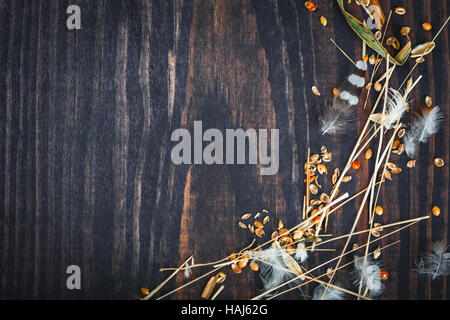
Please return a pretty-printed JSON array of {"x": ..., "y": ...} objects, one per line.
[{"x": 256, "y": 224}]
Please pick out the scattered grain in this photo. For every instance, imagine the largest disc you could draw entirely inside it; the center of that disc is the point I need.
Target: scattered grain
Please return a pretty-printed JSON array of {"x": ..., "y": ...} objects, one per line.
[
  {"x": 245, "y": 216},
  {"x": 411, "y": 163},
  {"x": 254, "y": 266},
  {"x": 259, "y": 232},
  {"x": 310, "y": 6},
  {"x": 379, "y": 210},
  {"x": 438, "y": 162},
  {"x": 258, "y": 224},
  {"x": 377, "y": 86},
  {"x": 436, "y": 211},
  {"x": 236, "y": 269},
  {"x": 315, "y": 91},
  {"x": 426, "y": 26},
  {"x": 400, "y": 11}
]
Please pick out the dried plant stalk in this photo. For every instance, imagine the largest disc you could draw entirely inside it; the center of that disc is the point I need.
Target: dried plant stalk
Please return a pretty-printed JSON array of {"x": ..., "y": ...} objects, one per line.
[{"x": 207, "y": 291}]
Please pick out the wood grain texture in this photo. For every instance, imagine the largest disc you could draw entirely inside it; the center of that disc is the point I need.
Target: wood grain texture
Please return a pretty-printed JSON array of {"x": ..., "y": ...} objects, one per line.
[{"x": 86, "y": 116}]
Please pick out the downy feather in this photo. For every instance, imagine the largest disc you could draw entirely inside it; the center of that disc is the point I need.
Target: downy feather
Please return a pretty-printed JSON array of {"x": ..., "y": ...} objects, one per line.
[
  {"x": 301, "y": 255},
  {"x": 422, "y": 128},
  {"x": 337, "y": 117},
  {"x": 188, "y": 270},
  {"x": 396, "y": 107},
  {"x": 367, "y": 274},
  {"x": 331, "y": 293},
  {"x": 273, "y": 270},
  {"x": 436, "y": 262}
]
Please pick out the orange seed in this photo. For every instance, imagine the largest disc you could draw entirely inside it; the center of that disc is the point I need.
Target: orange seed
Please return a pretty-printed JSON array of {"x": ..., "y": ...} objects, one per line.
[
  {"x": 254, "y": 266},
  {"x": 236, "y": 268},
  {"x": 426, "y": 26},
  {"x": 310, "y": 6},
  {"x": 379, "y": 210},
  {"x": 436, "y": 211},
  {"x": 438, "y": 162}
]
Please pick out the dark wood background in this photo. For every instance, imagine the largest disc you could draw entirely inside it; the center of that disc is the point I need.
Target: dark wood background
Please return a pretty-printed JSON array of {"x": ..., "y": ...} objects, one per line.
[{"x": 86, "y": 117}]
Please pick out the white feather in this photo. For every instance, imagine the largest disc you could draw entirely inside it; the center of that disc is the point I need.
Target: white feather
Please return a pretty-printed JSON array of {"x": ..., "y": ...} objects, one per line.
[
  {"x": 367, "y": 274},
  {"x": 188, "y": 270},
  {"x": 337, "y": 117},
  {"x": 422, "y": 128},
  {"x": 274, "y": 271},
  {"x": 436, "y": 262},
  {"x": 301, "y": 254},
  {"x": 410, "y": 145},
  {"x": 330, "y": 294},
  {"x": 396, "y": 107}
]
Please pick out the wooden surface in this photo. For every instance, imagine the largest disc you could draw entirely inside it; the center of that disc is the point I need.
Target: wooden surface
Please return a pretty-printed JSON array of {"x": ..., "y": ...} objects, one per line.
[{"x": 86, "y": 117}]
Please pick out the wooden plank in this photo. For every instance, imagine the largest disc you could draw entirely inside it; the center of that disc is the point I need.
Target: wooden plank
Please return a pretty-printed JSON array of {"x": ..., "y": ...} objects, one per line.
[{"x": 85, "y": 125}]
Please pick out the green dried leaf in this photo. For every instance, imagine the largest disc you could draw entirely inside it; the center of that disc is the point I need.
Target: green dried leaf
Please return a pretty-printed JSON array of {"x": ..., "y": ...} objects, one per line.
[
  {"x": 369, "y": 38},
  {"x": 422, "y": 49}
]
